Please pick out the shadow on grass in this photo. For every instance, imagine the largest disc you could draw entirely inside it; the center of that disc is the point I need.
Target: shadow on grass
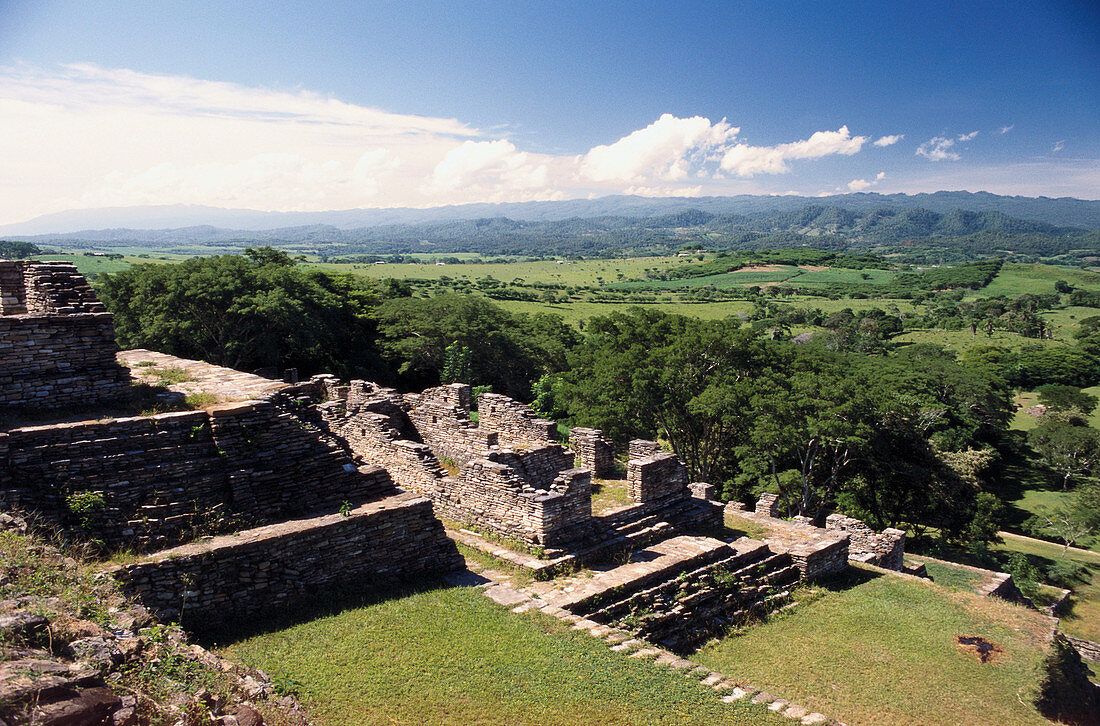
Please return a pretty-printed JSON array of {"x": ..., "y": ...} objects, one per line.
[
  {"x": 1016, "y": 474},
  {"x": 851, "y": 578},
  {"x": 321, "y": 604}
]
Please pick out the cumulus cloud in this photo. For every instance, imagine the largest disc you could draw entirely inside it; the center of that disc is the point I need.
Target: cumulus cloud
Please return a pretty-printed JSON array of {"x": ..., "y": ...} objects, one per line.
[
  {"x": 663, "y": 150},
  {"x": 1058, "y": 146},
  {"x": 938, "y": 148},
  {"x": 968, "y": 137},
  {"x": 858, "y": 185},
  {"x": 745, "y": 160},
  {"x": 889, "y": 140},
  {"x": 1005, "y": 129},
  {"x": 81, "y": 136}
]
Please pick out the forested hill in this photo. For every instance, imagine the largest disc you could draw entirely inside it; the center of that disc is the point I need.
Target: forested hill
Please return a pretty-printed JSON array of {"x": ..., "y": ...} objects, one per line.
[
  {"x": 1062, "y": 212},
  {"x": 955, "y": 233}
]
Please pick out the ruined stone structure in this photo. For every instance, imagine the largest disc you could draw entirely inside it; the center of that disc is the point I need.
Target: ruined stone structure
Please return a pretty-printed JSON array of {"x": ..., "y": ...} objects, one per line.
[
  {"x": 234, "y": 576},
  {"x": 534, "y": 495},
  {"x": 144, "y": 482},
  {"x": 884, "y": 549},
  {"x": 594, "y": 451},
  {"x": 57, "y": 341}
]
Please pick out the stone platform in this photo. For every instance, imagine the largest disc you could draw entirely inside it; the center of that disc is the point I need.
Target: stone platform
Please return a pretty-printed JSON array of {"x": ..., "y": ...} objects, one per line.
[{"x": 225, "y": 384}]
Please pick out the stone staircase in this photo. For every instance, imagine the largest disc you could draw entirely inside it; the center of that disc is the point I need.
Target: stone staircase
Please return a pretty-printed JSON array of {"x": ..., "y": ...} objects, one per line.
[{"x": 683, "y": 590}]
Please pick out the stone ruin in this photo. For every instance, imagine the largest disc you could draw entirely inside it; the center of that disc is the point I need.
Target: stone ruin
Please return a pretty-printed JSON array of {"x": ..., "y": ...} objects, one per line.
[
  {"x": 57, "y": 341},
  {"x": 298, "y": 488},
  {"x": 259, "y": 508}
]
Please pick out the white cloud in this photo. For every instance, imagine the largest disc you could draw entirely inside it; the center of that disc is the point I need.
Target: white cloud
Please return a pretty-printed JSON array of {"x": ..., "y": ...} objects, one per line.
[
  {"x": 858, "y": 185},
  {"x": 889, "y": 140},
  {"x": 663, "y": 150},
  {"x": 938, "y": 149},
  {"x": 1006, "y": 129},
  {"x": 968, "y": 137},
  {"x": 745, "y": 160},
  {"x": 83, "y": 136},
  {"x": 1058, "y": 146}
]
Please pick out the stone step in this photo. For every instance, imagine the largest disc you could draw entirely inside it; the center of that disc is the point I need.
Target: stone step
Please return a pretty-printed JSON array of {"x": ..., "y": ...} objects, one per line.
[{"x": 656, "y": 563}]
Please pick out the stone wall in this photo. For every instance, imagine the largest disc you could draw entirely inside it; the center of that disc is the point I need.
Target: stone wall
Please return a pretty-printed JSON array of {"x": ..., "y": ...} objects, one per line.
[
  {"x": 234, "y": 577},
  {"x": 594, "y": 450},
  {"x": 640, "y": 448},
  {"x": 441, "y": 417},
  {"x": 57, "y": 288},
  {"x": 13, "y": 289},
  {"x": 57, "y": 342},
  {"x": 535, "y": 496},
  {"x": 516, "y": 424},
  {"x": 885, "y": 549},
  {"x": 657, "y": 478},
  {"x": 163, "y": 478}
]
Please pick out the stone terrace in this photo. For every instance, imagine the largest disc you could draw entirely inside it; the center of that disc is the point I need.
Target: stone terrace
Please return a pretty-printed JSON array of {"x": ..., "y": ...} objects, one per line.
[{"x": 225, "y": 384}]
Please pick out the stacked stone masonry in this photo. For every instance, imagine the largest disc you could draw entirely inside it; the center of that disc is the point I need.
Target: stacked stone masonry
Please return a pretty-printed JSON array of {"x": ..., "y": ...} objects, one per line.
[
  {"x": 163, "y": 478},
  {"x": 516, "y": 424},
  {"x": 57, "y": 342},
  {"x": 885, "y": 549},
  {"x": 536, "y": 496},
  {"x": 594, "y": 450},
  {"x": 656, "y": 478},
  {"x": 237, "y": 576}
]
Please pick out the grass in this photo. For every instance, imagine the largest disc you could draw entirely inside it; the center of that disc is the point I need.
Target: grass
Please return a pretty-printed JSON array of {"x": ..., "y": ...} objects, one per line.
[
  {"x": 880, "y": 649},
  {"x": 953, "y": 578},
  {"x": 1017, "y": 279},
  {"x": 609, "y": 494},
  {"x": 450, "y": 656},
  {"x": 1083, "y": 619},
  {"x": 741, "y": 527}
]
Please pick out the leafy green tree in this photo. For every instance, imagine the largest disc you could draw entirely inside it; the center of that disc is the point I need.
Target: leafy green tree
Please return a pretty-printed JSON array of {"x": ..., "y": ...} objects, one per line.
[
  {"x": 1067, "y": 398},
  {"x": 509, "y": 352},
  {"x": 248, "y": 311},
  {"x": 1071, "y": 450}
]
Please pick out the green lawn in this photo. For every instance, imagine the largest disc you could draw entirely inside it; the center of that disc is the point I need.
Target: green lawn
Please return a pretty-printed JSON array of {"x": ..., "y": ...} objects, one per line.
[
  {"x": 809, "y": 278},
  {"x": 880, "y": 649},
  {"x": 450, "y": 656},
  {"x": 1083, "y": 620},
  {"x": 1017, "y": 279},
  {"x": 953, "y": 578}
]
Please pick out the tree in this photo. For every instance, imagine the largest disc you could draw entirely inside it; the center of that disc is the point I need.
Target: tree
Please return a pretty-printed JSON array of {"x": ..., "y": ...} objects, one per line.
[
  {"x": 1067, "y": 398},
  {"x": 249, "y": 311},
  {"x": 1071, "y": 450}
]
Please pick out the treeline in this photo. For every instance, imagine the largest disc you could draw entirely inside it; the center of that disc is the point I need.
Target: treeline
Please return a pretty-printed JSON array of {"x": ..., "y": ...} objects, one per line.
[
  {"x": 11, "y": 250},
  {"x": 262, "y": 310},
  {"x": 898, "y": 436}
]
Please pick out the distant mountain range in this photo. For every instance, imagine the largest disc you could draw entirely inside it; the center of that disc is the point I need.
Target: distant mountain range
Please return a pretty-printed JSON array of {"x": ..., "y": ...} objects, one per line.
[{"x": 152, "y": 224}]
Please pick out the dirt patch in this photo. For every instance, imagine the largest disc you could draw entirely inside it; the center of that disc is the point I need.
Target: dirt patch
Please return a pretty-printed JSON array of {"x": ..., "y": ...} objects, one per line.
[
  {"x": 813, "y": 268},
  {"x": 758, "y": 268},
  {"x": 986, "y": 651}
]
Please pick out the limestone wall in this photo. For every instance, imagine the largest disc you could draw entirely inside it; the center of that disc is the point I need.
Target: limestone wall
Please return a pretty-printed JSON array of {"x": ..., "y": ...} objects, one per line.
[
  {"x": 13, "y": 289},
  {"x": 594, "y": 450},
  {"x": 657, "y": 478},
  {"x": 237, "y": 576},
  {"x": 885, "y": 549},
  {"x": 56, "y": 288},
  {"x": 441, "y": 417},
  {"x": 640, "y": 448},
  {"x": 516, "y": 424},
  {"x": 57, "y": 342},
  {"x": 59, "y": 361},
  {"x": 162, "y": 478}
]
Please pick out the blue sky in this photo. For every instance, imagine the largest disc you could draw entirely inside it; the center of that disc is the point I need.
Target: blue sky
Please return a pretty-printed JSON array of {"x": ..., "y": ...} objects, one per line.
[{"x": 281, "y": 105}]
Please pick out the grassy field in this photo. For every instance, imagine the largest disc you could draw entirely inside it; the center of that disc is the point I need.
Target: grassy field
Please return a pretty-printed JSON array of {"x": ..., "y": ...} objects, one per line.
[
  {"x": 953, "y": 578},
  {"x": 450, "y": 656},
  {"x": 881, "y": 649},
  {"x": 1017, "y": 279},
  {"x": 582, "y": 272},
  {"x": 1083, "y": 620}
]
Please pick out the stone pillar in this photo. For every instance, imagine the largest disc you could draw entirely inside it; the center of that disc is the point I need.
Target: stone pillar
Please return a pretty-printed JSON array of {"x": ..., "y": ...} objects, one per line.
[
  {"x": 640, "y": 448},
  {"x": 594, "y": 450},
  {"x": 768, "y": 504},
  {"x": 702, "y": 490}
]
